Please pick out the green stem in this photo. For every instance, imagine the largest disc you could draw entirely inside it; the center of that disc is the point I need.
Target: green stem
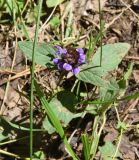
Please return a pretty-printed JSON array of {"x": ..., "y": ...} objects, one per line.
[
  {"x": 96, "y": 137},
  {"x": 69, "y": 23},
  {"x": 101, "y": 32},
  {"x": 69, "y": 149},
  {"x": 32, "y": 79},
  {"x": 55, "y": 121},
  {"x": 118, "y": 145}
]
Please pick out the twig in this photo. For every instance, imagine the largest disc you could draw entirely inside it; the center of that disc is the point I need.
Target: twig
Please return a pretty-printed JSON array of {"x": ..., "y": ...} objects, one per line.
[
  {"x": 25, "y": 7},
  {"x": 133, "y": 104},
  {"x": 128, "y": 7},
  {"x": 72, "y": 89},
  {"x": 115, "y": 19},
  {"x": 47, "y": 20},
  {"x": 8, "y": 83},
  {"x": 13, "y": 141},
  {"x": 132, "y": 58},
  {"x": 9, "y": 154},
  {"x": 91, "y": 21},
  {"x": 21, "y": 74},
  {"x": 118, "y": 117},
  {"x": 136, "y": 151}
]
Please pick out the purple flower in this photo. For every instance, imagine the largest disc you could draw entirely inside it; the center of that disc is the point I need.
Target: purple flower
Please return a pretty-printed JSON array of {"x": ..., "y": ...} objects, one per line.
[
  {"x": 60, "y": 50},
  {"x": 67, "y": 67},
  {"x": 69, "y": 59},
  {"x": 60, "y": 65},
  {"x": 55, "y": 60},
  {"x": 76, "y": 70},
  {"x": 80, "y": 50},
  {"x": 81, "y": 58}
]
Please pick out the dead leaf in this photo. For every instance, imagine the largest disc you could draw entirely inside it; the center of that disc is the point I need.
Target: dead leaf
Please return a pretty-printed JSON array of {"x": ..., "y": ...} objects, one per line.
[
  {"x": 136, "y": 75},
  {"x": 15, "y": 104},
  {"x": 94, "y": 5},
  {"x": 112, "y": 134}
]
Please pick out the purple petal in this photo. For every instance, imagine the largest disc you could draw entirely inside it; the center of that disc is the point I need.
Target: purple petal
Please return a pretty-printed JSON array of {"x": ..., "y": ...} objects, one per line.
[
  {"x": 81, "y": 58},
  {"x": 60, "y": 65},
  {"x": 64, "y": 51},
  {"x": 60, "y": 50},
  {"x": 80, "y": 50},
  {"x": 67, "y": 67},
  {"x": 55, "y": 60},
  {"x": 76, "y": 70}
]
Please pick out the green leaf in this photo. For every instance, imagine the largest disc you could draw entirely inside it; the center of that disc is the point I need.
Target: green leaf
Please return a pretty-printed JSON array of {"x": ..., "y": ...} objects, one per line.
[
  {"x": 93, "y": 77},
  {"x": 55, "y": 22},
  {"x": 107, "y": 96},
  {"x": 108, "y": 150},
  {"x": 53, "y": 3},
  {"x": 31, "y": 16},
  {"x": 3, "y": 136},
  {"x": 62, "y": 112},
  {"x": 14, "y": 6},
  {"x": 86, "y": 146},
  {"x": 133, "y": 96},
  {"x": 6, "y": 123},
  {"x": 54, "y": 120},
  {"x": 67, "y": 99},
  {"x": 52, "y": 116},
  {"x": 122, "y": 125},
  {"x": 112, "y": 55},
  {"x": 60, "y": 107},
  {"x": 2, "y": 4},
  {"x": 9, "y": 7},
  {"x": 124, "y": 81},
  {"x": 46, "y": 124},
  {"x": 92, "y": 109},
  {"x": 43, "y": 55},
  {"x": 39, "y": 155}
]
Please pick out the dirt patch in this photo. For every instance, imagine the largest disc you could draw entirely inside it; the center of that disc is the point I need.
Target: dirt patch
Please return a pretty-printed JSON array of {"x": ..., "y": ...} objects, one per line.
[{"x": 121, "y": 24}]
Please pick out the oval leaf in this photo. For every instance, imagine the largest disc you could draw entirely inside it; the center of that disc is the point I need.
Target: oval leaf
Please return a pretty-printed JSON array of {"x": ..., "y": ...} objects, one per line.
[
  {"x": 107, "y": 151},
  {"x": 91, "y": 77},
  {"x": 60, "y": 107},
  {"x": 43, "y": 55},
  {"x": 112, "y": 55}
]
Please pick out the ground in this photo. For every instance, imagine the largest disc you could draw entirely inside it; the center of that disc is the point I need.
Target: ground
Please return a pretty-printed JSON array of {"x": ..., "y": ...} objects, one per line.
[{"x": 121, "y": 23}]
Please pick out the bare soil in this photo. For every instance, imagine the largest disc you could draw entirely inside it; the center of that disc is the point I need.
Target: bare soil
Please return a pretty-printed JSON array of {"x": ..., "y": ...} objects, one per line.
[{"x": 122, "y": 25}]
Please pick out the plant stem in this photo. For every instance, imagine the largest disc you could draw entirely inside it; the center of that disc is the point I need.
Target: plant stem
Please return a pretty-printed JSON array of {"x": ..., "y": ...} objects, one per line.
[
  {"x": 101, "y": 32},
  {"x": 94, "y": 145},
  {"x": 69, "y": 23},
  {"x": 32, "y": 80},
  {"x": 9, "y": 154},
  {"x": 118, "y": 145}
]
